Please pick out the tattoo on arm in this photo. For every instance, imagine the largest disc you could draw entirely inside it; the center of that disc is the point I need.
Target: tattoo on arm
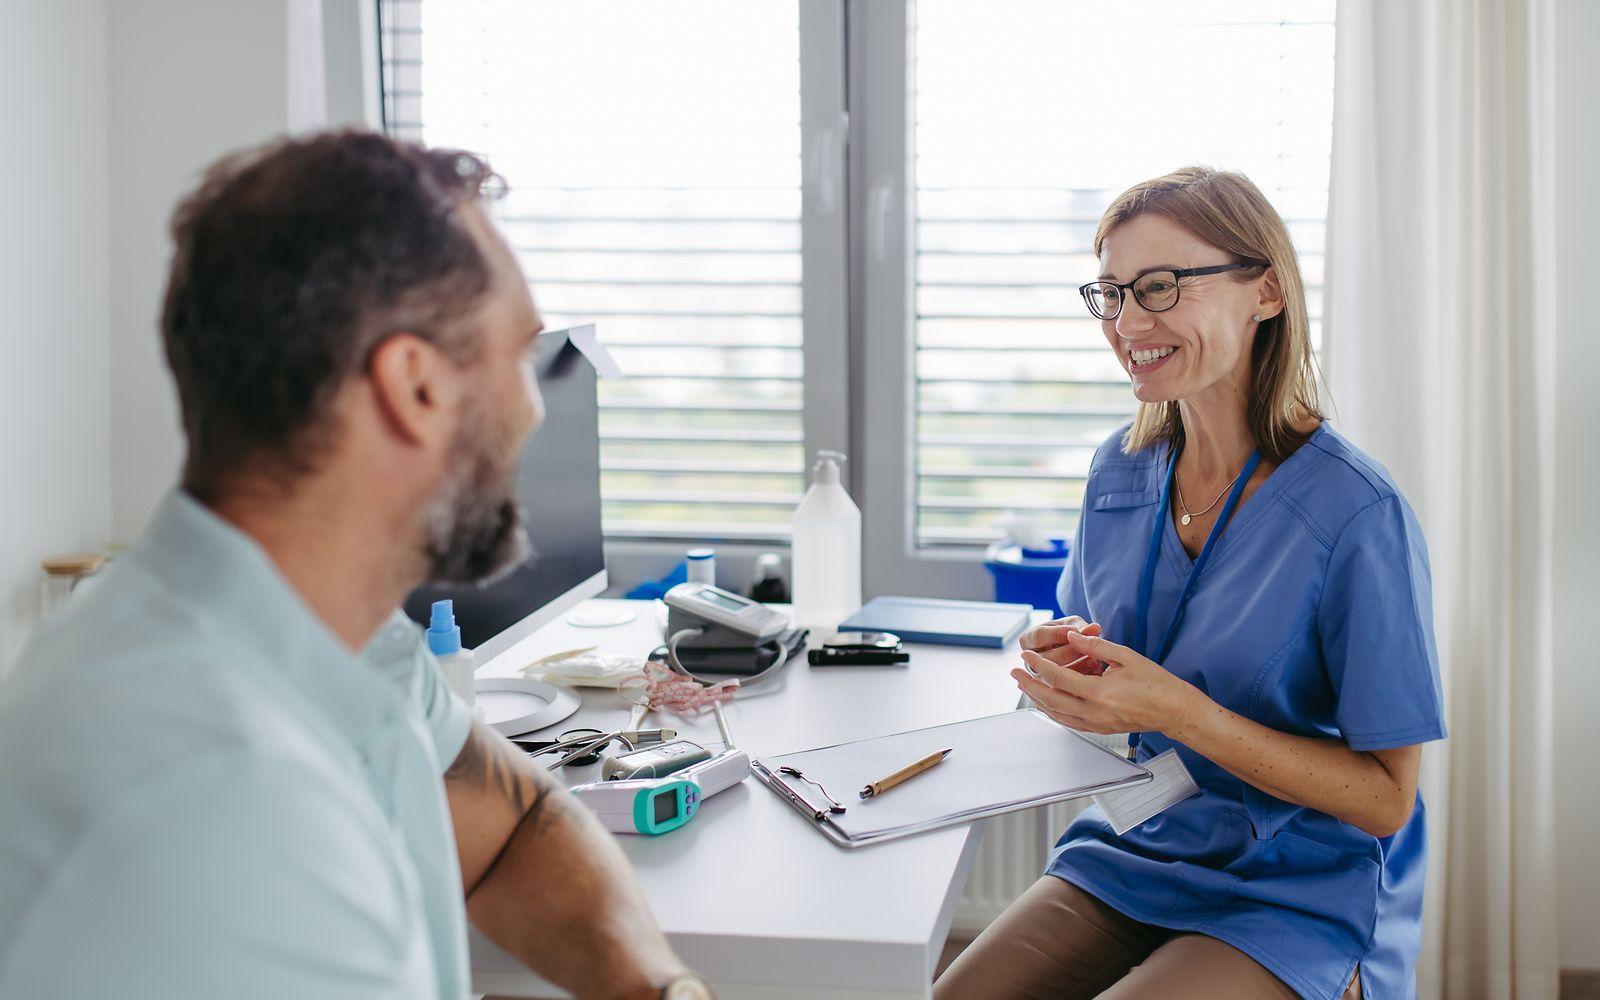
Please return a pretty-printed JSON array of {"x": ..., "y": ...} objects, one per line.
[{"x": 488, "y": 766}]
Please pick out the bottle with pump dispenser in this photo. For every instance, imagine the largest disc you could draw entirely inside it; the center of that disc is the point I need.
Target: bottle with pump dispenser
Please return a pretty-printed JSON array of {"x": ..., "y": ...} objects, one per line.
[{"x": 827, "y": 549}]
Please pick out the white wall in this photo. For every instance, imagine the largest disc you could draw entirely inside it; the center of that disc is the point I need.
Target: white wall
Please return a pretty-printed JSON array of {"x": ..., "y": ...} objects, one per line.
[
  {"x": 1577, "y": 564},
  {"x": 190, "y": 80},
  {"x": 55, "y": 382}
]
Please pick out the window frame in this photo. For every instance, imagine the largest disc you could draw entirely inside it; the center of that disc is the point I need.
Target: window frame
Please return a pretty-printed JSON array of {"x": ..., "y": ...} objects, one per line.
[
  {"x": 882, "y": 56},
  {"x": 824, "y": 305},
  {"x": 883, "y": 262}
]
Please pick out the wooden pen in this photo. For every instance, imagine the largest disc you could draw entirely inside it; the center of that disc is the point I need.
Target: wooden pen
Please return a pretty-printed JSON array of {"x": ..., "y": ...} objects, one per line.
[{"x": 906, "y": 773}]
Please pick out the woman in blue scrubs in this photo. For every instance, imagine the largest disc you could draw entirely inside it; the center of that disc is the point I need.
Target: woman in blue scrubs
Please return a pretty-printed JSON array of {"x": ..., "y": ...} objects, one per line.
[{"x": 1248, "y": 596}]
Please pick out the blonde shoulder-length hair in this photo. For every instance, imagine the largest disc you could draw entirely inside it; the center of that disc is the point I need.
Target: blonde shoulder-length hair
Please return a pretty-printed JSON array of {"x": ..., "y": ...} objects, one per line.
[{"x": 1227, "y": 211}]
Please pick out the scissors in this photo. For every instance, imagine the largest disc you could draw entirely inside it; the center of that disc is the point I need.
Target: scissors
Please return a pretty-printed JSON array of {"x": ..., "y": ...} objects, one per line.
[{"x": 590, "y": 742}]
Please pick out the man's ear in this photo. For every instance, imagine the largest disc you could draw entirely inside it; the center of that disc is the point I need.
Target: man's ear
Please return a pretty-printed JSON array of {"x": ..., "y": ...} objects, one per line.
[
  {"x": 414, "y": 386},
  {"x": 1269, "y": 301}
]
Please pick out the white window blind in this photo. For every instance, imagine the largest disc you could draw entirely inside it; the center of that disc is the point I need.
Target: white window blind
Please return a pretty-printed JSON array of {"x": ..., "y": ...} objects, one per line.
[
  {"x": 653, "y": 158},
  {"x": 1030, "y": 116}
]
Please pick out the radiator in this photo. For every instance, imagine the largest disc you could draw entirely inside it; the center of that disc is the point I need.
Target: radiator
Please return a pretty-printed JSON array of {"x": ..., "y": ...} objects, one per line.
[
  {"x": 1013, "y": 854},
  {"x": 1010, "y": 858}
]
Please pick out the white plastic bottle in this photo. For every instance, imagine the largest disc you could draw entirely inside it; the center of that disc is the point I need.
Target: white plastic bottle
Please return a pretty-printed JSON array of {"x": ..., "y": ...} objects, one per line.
[
  {"x": 701, "y": 566},
  {"x": 444, "y": 639},
  {"x": 827, "y": 550}
]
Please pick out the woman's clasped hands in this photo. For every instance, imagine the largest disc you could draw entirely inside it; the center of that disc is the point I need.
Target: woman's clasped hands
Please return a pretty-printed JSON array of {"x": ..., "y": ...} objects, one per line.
[{"x": 1089, "y": 683}]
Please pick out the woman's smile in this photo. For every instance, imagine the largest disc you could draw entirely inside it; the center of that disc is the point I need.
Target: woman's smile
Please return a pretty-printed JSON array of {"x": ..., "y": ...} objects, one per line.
[{"x": 1144, "y": 360}]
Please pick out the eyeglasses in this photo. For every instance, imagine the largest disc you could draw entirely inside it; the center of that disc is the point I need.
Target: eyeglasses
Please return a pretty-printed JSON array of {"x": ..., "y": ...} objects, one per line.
[{"x": 1156, "y": 291}]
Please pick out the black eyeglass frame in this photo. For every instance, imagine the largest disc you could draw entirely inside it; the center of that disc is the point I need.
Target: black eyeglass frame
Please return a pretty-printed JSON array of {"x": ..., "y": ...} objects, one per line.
[{"x": 1177, "y": 275}]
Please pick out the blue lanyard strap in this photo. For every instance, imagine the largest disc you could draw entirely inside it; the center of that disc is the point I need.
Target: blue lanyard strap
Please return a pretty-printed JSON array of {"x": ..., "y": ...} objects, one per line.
[{"x": 1147, "y": 579}]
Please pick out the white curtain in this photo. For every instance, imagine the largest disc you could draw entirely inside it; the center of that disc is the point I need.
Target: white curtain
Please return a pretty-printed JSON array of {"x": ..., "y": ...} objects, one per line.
[{"x": 1439, "y": 352}]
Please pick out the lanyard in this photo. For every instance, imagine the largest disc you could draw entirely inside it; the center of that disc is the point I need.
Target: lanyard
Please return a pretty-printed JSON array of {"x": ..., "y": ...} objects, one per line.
[{"x": 1147, "y": 579}]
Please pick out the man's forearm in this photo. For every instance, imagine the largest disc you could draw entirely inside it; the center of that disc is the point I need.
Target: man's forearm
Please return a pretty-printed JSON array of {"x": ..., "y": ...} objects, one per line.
[
  {"x": 563, "y": 898},
  {"x": 558, "y": 893}
]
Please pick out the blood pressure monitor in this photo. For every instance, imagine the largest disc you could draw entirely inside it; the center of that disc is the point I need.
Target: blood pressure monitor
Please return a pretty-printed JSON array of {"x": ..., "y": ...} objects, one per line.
[{"x": 727, "y": 610}]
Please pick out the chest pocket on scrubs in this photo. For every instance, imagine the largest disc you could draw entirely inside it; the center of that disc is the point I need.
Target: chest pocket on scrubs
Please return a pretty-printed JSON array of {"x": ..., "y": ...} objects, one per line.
[
  {"x": 1121, "y": 516},
  {"x": 1125, "y": 500}
]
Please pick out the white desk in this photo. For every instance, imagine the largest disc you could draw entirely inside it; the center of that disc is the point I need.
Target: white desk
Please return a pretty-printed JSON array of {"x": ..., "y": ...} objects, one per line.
[{"x": 752, "y": 898}]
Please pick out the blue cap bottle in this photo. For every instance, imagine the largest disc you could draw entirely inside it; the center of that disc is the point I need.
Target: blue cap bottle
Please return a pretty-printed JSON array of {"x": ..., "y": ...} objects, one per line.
[{"x": 444, "y": 637}]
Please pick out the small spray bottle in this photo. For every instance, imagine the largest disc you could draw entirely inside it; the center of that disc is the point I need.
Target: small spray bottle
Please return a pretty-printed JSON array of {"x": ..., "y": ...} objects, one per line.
[{"x": 444, "y": 639}]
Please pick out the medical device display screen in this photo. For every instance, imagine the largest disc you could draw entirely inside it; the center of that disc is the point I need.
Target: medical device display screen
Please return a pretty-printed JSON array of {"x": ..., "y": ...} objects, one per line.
[
  {"x": 723, "y": 600},
  {"x": 558, "y": 487},
  {"x": 666, "y": 806}
]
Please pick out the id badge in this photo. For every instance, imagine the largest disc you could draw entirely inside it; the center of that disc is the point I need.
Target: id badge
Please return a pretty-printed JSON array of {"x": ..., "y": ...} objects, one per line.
[{"x": 1170, "y": 784}]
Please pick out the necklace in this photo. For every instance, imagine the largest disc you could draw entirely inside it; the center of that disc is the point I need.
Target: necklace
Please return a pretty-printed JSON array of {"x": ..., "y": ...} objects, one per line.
[{"x": 1187, "y": 514}]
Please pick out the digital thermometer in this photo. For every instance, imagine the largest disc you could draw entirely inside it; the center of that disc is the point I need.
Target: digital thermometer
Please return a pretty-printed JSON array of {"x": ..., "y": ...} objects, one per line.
[
  {"x": 649, "y": 805},
  {"x": 661, "y": 805},
  {"x": 721, "y": 772}
]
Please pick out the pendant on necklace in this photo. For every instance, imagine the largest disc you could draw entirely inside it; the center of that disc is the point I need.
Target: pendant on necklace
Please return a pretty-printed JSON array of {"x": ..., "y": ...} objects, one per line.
[{"x": 1186, "y": 520}]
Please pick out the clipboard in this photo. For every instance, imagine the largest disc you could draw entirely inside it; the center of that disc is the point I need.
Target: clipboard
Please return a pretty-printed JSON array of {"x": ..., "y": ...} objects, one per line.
[{"x": 999, "y": 764}]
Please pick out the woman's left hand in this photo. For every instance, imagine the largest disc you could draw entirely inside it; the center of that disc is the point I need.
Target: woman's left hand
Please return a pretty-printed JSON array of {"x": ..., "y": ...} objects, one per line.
[{"x": 1133, "y": 695}]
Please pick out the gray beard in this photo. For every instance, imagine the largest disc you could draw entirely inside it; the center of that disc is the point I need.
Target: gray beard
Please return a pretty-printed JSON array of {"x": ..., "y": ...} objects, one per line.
[{"x": 474, "y": 531}]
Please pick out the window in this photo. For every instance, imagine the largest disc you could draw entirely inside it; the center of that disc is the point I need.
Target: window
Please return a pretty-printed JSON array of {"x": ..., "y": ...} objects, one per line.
[
  {"x": 680, "y": 175},
  {"x": 986, "y": 181},
  {"x": 1030, "y": 116},
  {"x": 653, "y": 158}
]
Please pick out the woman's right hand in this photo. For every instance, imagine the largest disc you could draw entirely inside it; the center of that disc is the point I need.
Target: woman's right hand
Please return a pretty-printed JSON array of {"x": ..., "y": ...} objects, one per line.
[{"x": 1049, "y": 640}]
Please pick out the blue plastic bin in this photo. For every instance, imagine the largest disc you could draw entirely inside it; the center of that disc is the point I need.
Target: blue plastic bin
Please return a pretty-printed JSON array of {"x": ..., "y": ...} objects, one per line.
[{"x": 1027, "y": 576}]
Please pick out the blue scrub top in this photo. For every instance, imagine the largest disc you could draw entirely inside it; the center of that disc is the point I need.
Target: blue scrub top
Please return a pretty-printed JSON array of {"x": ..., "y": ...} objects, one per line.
[{"x": 1313, "y": 617}]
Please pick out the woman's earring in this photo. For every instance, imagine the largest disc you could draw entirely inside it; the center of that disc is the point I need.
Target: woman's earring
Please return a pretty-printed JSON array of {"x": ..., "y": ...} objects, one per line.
[{"x": 1256, "y": 318}]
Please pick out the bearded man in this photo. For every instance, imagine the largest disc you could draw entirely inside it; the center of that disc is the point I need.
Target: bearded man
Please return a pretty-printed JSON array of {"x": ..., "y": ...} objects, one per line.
[{"x": 232, "y": 768}]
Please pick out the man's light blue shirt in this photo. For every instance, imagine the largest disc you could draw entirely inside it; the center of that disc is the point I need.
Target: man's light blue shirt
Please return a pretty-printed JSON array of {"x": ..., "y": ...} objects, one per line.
[{"x": 203, "y": 793}]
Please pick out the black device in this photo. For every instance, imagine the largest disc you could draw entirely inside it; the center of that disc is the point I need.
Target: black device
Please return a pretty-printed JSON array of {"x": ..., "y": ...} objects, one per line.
[
  {"x": 558, "y": 486},
  {"x": 825, "y": 657},
  {"x": 866, "y": 641},
  {"x": 843, "y": 649}
]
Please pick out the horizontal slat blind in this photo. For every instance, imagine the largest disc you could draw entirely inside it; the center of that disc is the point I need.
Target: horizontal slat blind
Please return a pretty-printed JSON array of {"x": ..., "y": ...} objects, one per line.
[
  {"x": 652, "y": 152},
  {"x": 1031, "y": 115},
  {"x": 400, "y": 38}
]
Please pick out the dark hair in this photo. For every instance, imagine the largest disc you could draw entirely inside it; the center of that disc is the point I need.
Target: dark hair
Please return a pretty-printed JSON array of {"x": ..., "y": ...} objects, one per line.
[{"x": 292, "y": 262}]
